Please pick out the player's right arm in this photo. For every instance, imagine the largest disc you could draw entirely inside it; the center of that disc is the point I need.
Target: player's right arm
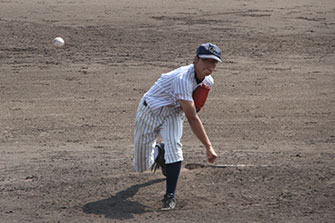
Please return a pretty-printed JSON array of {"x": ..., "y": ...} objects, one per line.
[{"x": 198, "y": 128}]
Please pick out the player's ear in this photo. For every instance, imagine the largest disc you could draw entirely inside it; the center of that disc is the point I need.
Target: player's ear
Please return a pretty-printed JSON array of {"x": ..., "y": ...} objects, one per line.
[{"x": 196, "y": 58}]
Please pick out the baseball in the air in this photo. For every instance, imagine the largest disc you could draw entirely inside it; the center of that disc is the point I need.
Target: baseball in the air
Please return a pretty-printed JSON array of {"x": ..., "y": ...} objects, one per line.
[{"x": 58, "y": 42}]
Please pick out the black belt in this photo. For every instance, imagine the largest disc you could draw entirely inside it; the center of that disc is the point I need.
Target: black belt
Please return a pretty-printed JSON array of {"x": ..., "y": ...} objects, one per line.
[{"x": 145, "y": 103}]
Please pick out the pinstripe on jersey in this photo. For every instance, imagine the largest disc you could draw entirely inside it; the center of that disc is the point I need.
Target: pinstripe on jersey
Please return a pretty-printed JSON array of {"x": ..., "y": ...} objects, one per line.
[
  {"x": 148, "y": 127},
  {"x": 176, "y": 85},
  {"x": 163, "y": 116}
]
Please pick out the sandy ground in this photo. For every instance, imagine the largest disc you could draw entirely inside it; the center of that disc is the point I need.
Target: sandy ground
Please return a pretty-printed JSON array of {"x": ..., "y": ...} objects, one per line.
[{"x": 67, "y": 115}]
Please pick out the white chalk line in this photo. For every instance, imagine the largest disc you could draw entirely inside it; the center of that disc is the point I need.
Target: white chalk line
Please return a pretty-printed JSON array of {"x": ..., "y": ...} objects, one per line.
[
  {"x": 192, "y": 166},
  {"x": 236, "y": 165}
]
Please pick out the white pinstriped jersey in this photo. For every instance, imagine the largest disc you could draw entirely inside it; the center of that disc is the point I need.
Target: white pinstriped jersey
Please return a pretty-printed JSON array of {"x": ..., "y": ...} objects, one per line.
[{"x": 178, "y": 84}]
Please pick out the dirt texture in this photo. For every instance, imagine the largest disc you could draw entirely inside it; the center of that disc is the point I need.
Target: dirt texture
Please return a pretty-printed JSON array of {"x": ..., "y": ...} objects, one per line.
[{"x": 67, "y": 114}]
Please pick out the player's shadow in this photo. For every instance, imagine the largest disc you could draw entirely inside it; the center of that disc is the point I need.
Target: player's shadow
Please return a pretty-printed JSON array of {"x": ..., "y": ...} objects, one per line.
[{"x": 118, "y": 206}]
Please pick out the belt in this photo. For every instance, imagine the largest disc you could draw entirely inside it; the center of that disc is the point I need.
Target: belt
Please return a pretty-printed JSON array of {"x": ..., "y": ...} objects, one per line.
[{"x": 145, "y": 103}]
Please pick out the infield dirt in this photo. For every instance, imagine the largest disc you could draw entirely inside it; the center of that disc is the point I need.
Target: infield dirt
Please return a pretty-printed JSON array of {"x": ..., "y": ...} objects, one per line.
[{"x": 67, "y": 115}]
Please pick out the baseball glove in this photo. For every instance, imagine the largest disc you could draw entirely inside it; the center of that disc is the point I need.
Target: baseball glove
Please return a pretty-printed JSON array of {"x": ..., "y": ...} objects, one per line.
[{"x": 200, "y": 96}]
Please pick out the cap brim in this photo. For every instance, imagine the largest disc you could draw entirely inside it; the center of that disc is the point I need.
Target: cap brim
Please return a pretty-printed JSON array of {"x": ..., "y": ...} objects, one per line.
[{"x": 210, "y": 57}]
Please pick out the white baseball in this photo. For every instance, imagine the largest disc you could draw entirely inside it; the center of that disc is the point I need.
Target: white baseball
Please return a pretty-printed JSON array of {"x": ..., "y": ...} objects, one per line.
[{"x": 58, "y": 42}]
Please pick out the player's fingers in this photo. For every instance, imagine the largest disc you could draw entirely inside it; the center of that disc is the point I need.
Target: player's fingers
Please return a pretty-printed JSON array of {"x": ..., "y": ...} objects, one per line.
[{"x": 212, "y": 158}]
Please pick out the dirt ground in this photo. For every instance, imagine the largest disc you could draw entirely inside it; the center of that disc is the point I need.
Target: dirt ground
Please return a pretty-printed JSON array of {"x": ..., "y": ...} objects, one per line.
[{"x": 67, "y": 115}]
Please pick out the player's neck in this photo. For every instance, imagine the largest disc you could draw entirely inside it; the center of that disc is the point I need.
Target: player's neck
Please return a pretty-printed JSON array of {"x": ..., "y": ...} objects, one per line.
[{"x": 198, "y": 80}]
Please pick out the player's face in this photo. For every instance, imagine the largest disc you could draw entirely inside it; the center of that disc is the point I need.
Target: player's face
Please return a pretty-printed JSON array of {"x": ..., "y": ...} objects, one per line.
[{"x": 204, "y": 66}]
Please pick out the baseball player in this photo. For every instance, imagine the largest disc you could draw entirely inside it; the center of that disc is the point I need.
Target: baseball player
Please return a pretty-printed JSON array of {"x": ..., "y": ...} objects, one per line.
[{"x": 161, "y": 112}]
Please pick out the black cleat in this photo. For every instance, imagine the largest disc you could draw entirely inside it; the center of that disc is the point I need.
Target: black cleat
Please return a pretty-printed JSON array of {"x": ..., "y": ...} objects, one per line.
[
  {"x": 160, "y": 161},
  {"x": 169, "y": 202}
]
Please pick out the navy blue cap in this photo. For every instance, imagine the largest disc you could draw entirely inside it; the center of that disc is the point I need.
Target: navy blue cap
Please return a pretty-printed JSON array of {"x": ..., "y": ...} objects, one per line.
[{"x": 209, "y": 50}]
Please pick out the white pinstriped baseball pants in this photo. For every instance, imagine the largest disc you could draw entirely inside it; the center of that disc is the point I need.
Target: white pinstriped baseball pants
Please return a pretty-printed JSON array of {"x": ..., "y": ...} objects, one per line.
[{"x": 148, "y": 127}]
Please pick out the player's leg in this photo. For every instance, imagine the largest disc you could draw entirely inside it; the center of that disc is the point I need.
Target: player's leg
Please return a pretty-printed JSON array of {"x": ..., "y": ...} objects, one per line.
[
  {"x": 145, "y": 134},
  {"x": 171, "y": 133},
  {"x": 172, "y": 176},
  {"x": 172, "y": 173}
]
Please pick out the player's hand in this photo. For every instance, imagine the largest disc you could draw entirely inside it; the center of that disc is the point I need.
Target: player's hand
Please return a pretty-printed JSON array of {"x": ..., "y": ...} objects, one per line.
[{"x": 211, "y": 154}]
